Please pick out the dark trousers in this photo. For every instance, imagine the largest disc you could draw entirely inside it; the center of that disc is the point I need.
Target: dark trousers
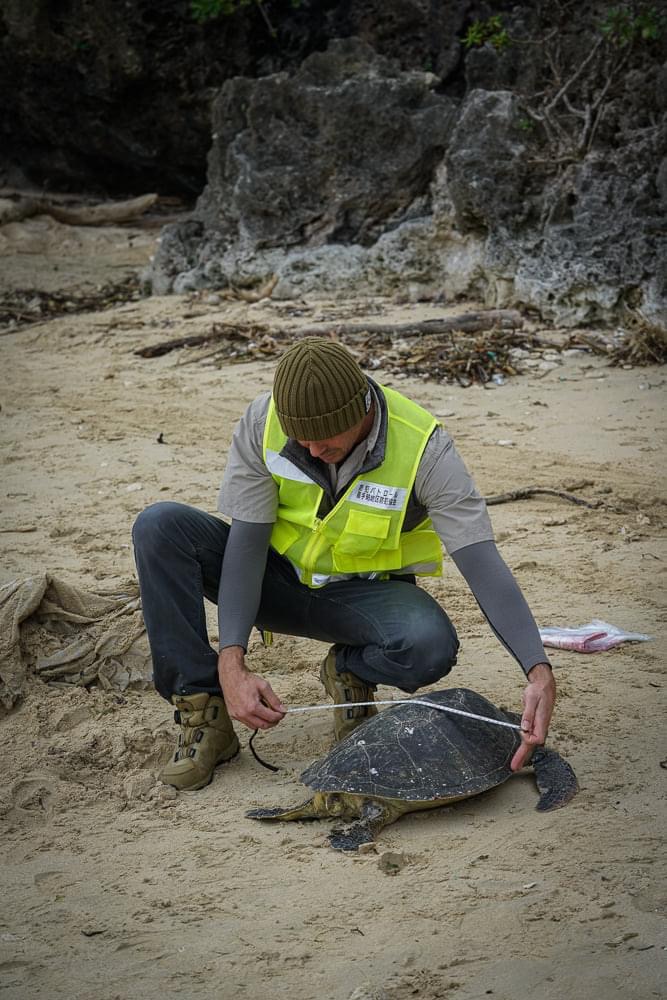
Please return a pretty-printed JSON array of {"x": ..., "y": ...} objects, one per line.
[{"x": 387, "y": 631}]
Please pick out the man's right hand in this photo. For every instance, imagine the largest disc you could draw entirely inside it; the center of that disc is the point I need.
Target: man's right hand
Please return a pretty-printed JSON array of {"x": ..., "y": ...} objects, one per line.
[{"x": 248, "y": 697}]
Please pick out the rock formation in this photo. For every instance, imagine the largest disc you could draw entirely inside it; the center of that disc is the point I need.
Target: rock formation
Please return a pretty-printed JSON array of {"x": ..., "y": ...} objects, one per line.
[
  {"x": 352, "y": 174},
  {"x": 368, "y": 147}
]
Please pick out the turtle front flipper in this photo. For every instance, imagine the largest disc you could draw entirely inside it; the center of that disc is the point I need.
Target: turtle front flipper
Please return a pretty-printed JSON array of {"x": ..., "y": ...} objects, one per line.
[
  {"x": 304, "y": 811},
  {"x": 374, "y": 816},
  {"x": 556, "y": 781}
]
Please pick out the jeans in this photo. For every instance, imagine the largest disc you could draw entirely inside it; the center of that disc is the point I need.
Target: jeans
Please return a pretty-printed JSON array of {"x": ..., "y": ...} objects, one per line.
[{"x": 385, "y": 631}]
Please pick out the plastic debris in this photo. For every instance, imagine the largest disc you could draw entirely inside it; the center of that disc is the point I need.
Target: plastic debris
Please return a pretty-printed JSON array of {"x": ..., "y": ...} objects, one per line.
[{"x": 595, "y": 637}]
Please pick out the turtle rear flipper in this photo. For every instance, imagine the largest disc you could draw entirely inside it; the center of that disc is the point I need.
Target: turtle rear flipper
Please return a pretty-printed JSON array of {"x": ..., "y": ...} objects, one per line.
[
  {"x": 556, "y": 781},
  {"x": 374, "y": 815},
  {"x": 303, "y": 811}
]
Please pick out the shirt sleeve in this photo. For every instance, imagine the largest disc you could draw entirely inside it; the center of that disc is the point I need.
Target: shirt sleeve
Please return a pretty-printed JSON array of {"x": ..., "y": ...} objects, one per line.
[
  {"x": 241, "y": 579},
  {"x": 445, "y": 488},
  {"x": 501, "y": 601},
  {"x": 248, "y": 491}
]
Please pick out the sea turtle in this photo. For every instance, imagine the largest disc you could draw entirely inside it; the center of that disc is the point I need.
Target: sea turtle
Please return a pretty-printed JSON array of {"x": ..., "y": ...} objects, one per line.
[{"x": 412, "y": 757}]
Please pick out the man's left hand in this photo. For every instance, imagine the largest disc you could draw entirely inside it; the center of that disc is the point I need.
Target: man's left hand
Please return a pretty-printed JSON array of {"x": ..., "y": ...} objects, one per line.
[{"x": 539, "y": 698}]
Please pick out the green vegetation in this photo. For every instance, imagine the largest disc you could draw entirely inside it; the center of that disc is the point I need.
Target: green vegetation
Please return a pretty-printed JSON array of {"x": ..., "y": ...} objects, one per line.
[
  {"x": 492, "y": 30},
  {"x": 206, "y": 10},
  {"x": 569, "y": 101},
  {"x": 622, "y": 26}
]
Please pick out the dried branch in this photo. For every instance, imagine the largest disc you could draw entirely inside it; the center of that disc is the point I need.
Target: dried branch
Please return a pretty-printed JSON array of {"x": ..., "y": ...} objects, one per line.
[
  {"x": 468, "y": 322},
  {"x": 530, "y": 491},
  {"x": 219, "y": 331},
  {"x": 86, "y": 215}
]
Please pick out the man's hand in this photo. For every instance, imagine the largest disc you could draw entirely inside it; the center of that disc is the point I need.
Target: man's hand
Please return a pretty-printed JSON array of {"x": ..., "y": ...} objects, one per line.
[
  {"x": 539, "y": 698},
  {"x": 248, "y": 697}
]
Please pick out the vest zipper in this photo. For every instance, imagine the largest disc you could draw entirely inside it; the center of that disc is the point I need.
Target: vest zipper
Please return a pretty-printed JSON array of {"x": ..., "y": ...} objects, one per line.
[{"x": 311, "y": 545}]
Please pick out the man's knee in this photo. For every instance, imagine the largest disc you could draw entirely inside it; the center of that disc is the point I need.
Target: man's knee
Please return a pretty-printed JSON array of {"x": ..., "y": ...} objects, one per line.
[
  {"x": 152, "y": 523},
  {"x": 434, "y": 654}
]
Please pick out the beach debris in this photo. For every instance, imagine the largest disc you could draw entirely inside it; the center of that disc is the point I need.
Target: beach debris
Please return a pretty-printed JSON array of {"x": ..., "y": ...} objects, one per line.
[
  {"x": 103, "y": 213},
  {"x": 466, "y": 349},
  {"x": 83, "y": 637},
  {"x": 530, "y": 491},
  {"x": 21, "y": 307},
  {"x": 594, "y": 637}
]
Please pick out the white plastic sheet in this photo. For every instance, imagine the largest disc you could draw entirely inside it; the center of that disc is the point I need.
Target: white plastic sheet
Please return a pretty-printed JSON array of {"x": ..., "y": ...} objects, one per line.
[{"x": 594, "y": 637}]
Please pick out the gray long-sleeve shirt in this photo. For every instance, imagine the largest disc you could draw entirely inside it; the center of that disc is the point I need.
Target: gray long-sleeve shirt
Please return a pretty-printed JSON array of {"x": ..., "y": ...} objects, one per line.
[{"x": 442, "y": 486}]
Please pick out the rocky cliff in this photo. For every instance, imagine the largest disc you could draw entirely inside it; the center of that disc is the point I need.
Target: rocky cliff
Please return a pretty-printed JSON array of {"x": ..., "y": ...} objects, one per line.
[{"x": 517, "y": 153}]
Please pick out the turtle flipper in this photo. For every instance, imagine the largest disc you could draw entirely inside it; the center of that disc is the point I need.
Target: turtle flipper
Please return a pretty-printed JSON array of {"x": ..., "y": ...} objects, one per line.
[
  {"x": 303, "y": 811},
  {"x": 374, "y": 815},
  {"x": 556, "y": 781}
]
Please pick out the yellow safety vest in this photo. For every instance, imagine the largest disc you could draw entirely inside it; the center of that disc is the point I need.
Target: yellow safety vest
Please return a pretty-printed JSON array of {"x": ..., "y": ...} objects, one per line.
[{"x": 362, "y": 533}]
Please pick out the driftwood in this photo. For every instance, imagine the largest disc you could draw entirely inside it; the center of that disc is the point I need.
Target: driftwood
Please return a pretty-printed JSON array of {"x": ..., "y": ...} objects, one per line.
[
  {"x": 85, "y": 215},
  {"x": 219, "y": 331},
  {"x": 466, "y": 322},
  {"x": 507, "y": 319},
  {"x": 530, "y": 491}
]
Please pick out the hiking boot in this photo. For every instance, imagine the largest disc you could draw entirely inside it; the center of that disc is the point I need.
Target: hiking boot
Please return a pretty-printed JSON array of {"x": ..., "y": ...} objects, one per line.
[
  {"x": 346, "y": 687},
  {"x": 207, "y": 738}
]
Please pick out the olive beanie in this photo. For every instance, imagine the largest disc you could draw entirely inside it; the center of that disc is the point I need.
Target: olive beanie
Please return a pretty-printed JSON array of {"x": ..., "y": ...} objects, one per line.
[{"x": 319, "y": 390}]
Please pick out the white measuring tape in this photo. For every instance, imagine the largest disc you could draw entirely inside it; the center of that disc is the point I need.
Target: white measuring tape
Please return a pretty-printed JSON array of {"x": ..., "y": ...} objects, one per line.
[{"x": 409, "y": 701}]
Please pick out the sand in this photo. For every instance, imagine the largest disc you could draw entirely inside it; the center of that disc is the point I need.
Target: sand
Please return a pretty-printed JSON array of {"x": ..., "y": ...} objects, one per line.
[{"x": 115, "y": 886}]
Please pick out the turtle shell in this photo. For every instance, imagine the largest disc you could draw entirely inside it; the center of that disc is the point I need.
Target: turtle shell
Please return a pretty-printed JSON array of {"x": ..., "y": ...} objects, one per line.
[{"x": 419, "y": 754}]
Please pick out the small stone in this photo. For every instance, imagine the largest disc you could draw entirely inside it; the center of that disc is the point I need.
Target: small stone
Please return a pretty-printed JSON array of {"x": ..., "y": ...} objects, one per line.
[
  {"x": 92, "y": 930},
  {"x": 166, "y": 793},
  {"x": 138, "y": 785},
  {"x": 392, "y": 862},
  {"x": 369, "y": 992},
  {"x": 628, "y": 936}
]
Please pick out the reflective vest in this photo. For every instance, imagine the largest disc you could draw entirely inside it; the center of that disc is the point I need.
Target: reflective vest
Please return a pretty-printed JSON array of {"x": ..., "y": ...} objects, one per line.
[{"x": 362, "y": 534}]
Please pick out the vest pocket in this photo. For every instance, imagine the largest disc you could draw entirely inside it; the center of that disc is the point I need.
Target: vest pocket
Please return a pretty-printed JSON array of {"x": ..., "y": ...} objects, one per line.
[
  {"x": 362, "y": 537},
  {"x": 283, "y": 535}
]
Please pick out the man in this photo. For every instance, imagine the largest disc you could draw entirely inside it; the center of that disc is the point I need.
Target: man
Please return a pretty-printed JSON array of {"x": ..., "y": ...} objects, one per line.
[{"x": 340, "y": 493}]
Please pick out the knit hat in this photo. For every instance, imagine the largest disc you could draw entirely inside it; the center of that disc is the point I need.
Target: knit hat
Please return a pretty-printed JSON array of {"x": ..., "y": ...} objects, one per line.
[{"x": 319, "y": 390}]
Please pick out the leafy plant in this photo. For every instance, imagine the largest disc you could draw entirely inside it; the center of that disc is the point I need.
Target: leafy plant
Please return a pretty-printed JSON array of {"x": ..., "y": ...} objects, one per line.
[
  {"x": 492, "y": 30},
  {"x": 206, "y": 10},
  {"x": 622, "y": 26}
]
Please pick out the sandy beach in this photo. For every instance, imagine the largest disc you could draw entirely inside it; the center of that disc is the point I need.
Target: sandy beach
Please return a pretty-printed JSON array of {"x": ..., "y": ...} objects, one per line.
[{"x": 116, "y": 886}]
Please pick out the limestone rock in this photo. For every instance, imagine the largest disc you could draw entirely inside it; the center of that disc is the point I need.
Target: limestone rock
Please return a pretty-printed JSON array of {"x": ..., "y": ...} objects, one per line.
[{"x": 338, "y": 152}]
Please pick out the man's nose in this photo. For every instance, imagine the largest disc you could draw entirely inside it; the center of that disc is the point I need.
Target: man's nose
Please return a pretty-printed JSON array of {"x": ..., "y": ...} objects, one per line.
[{"x": 317, "y": 448}]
